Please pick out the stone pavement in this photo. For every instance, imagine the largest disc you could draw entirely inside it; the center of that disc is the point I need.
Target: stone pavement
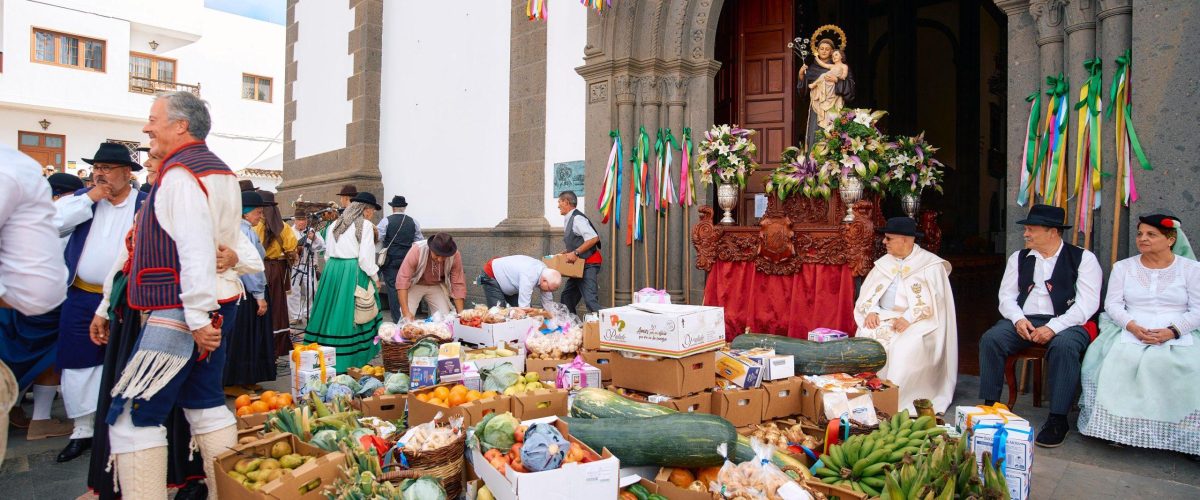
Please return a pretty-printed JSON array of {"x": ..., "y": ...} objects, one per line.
[{"x": 1083, "y": 468}]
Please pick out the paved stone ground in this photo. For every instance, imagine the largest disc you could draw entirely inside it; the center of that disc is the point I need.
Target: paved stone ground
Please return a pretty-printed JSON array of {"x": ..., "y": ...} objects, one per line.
[{"x": 1083, "y": 468}]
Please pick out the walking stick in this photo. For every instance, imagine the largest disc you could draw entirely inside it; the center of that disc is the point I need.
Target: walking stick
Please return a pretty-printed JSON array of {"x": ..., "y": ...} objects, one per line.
[
  {"x": 1116, "y": 232},
  {"x": 687, "y": 257},
  {"x": 658, "y": 229},
  {"x": 666, "y": 246},
  {"x": 612, "y": 287}
]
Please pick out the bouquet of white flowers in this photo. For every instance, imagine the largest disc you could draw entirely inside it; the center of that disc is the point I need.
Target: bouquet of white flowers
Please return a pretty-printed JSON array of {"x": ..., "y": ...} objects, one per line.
[{"x": 726, "y": 155}]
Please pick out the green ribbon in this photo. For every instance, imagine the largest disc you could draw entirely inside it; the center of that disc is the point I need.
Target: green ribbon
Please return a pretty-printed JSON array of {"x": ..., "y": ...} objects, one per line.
[
  {"x": 1031, "y": 142},
  {"x": 1093, "y": 82},
  {"x": 1122, "y": 66}
]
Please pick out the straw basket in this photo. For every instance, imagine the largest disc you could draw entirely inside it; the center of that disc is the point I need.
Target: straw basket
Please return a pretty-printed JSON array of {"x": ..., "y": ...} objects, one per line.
[
  {"x": 445, "y": 463},
  {"x": 395, "y": 354}
]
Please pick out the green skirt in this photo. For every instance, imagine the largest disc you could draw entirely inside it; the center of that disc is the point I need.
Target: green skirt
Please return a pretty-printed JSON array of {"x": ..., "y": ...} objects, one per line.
[{"x": 332, "y": 320}]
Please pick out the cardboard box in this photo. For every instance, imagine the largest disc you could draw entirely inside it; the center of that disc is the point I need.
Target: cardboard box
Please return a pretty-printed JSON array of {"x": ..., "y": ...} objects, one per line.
[
  {"x": 323, "y": 470},
  {"x": 547, "y": 369},
  {"x": 597, "y": 479},
  {"x": 471, "y": 377},
  {"x": 668, "y": 376},
  {"x": 669, "y": 330},
  {"x": 739, "y": 370},
  {"x": 774, "y": 366},
  {"x": 422, "y": 371},
  {"x": 1018, "y": 463},
  {"x": 700, "y": 402},
  {"x": 886, "y": 400},
  {"x": 672, "y": 492},
  {"x": 741, "y": 407},
  {"x": 490, "y": 334},
  {"x": 826, "y": 335},
  {"x": 252, "y": 420},
  {"x": 254, "y": 432},
  {"x": 591, "y": 335},
  {"x": 558, "y": 262},
  {"x": 966, "y": 417},
  {"x": 300, "y": 381},
  {"x": 420, "y": 412},
  {"x": 517, "y": 360},
  {"x": 602, "y": 360},
  {"x": 357, "y": 373},
  {"x": 651, "y": 296},
  {"x": 389, "y": 407},
  {"x": 783, "y": 398},
  {"x": 310, "y": 361},
  {"x": 540, "y": 403},
  {"x": 569, "y": 377}
]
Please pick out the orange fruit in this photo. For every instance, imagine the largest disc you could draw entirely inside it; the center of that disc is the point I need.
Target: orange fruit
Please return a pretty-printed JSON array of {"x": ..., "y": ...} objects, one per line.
[
  {"x": 285, "y": 400},
  {"x": 487, "y": 394},
  {"x": 473, "y": 395},
  {"x": 268, "y": 394},
  {"x": 457, "y": 398},
  {"x": 259, "y": 406},
  {"x": 243, "y": 400},
  {"x": 459, "y": 389},
  {"x": 423, "y": 397},
  {"x": 436, "y": 401},
  {"x": 245, "y": 410},
  {"x": 271, "y": 402},
  {"x": 441, "y": 392}
]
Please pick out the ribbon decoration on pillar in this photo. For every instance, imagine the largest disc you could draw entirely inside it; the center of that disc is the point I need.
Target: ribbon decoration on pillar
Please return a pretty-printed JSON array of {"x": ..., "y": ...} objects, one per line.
[
  {"x": 637, "y": 200},
  {"x": 1055, "y": 137},
  {"x": 1087, "y": 149},
  {"x": 610, "y": 191},
  {"x": 536, "y": 10},
  {"x": 1029, "y": 157},
  {"x": 665, "y": 195},
  {"x": 687, "y": 192},
  {"x": 1128, "y": 145},
  {"x": 599, "y": 5}
]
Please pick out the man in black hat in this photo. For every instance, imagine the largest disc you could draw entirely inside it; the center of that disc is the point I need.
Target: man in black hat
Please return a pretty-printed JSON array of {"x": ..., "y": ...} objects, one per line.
[
  {"x": 398, "y": 231},
  {"x": 62, "y": 184},
  {"x": 97, "y": 220},
  {"x": 907, "y": 305},
  {"x": 1049, "y": 291},
  {"x": 344, "y": 196},
  {"x": 432, "y": 271}
]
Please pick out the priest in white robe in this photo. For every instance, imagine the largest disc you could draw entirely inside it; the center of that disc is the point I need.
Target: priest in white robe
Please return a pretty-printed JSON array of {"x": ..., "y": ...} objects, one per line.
[{"x": 906, "y": 304}]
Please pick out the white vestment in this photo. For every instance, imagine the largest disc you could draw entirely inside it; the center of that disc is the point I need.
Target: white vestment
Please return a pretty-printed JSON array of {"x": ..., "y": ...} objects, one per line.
[{"x": 923, "y": 359}]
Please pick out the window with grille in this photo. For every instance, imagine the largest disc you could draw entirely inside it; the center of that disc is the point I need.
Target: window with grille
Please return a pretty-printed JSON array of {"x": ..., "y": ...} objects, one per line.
[
  {"x": 256, "y": 88},
  {"x": 50, "y": 47}
]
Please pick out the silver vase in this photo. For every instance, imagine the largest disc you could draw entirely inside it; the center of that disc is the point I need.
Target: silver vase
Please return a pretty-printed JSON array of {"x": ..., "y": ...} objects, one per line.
[
  {"x": 910, "y": 203},
  {"x": 727, "y": 196},
  {"x": 851, "y": 189}
]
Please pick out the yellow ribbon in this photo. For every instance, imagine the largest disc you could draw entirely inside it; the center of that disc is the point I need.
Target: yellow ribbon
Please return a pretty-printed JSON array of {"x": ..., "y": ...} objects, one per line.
[
  {"x": 998, "y": 409},
  {"x": 299, "y": 348}
]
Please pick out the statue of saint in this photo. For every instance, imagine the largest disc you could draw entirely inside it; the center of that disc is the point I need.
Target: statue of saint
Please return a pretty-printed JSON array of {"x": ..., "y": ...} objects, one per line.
[{"x": 828, "y": 85}]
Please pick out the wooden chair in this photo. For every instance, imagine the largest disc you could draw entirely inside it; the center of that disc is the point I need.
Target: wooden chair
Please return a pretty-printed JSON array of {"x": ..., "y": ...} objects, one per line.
[{"x": 1034, "y": 355}]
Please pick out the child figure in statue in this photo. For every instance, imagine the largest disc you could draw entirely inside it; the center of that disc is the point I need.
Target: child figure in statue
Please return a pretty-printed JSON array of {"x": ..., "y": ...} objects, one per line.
[{"x": 823, "y": 96}]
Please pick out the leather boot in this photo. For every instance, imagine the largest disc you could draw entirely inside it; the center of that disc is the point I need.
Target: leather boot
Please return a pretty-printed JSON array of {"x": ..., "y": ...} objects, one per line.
[
  {"x": 212, "y": 444},
  {"x": 142, "y": 475}
]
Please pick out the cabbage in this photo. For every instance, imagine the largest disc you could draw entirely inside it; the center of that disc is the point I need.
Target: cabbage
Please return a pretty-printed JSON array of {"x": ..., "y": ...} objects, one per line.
[
  {"x": 425, "y": 347},
  {"x": 424, "y": 488},
  {"x": 326, "y": 440},
  {"x": 347, "y": 381},
  {"x": 369, "y": 384},
  {"x": 396, "y": 383},
  {"x": 499, "y": 377},
  {"x": 544, "y": 448},
  {"x": 496, "y": 431},
  {"x": 337, "y": 390}
]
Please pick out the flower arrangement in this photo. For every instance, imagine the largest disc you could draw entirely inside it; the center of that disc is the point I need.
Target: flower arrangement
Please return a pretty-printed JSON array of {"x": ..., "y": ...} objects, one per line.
[
  {"x": 726, "y": 155},
  {"x": 799, "y": 173},
  {"x": 912, "y": 167},
  {"x": 852, "y": 146}
]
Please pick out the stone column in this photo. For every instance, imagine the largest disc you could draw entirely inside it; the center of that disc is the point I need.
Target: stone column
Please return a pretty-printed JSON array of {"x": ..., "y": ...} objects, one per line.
[
  {"x": 1023, "y": 78},
  {"x": 648, "y": 250},
  {"x": 677, "y": 249},
  {"x": 1081, "y": 46},
  {"x": 1115, "y": 18},
  {"x": 527, "y": 124},
  {"x": 1048, "y": 14},
  {"x": 626, "y": 92}
]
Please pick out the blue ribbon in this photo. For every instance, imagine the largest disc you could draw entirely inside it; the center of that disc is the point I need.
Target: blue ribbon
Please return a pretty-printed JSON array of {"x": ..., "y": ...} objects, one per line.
[
  {"x": 999, "y": 441},
  {"x": 845, "y": 427}
]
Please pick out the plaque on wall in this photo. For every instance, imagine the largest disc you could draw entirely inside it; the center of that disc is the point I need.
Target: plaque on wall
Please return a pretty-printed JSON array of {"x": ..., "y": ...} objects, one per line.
[{"x": 568, "y": 176}]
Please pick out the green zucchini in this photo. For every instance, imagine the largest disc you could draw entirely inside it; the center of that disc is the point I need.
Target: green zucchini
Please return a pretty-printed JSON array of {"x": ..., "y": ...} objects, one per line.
[
  {"x": 853, "y": 355},
  {"x": 676, "y": 440}
]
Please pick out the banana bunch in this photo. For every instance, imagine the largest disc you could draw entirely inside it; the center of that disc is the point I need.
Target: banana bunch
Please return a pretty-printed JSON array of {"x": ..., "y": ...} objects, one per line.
[
  {"x": 946, "y": 473},
  {"x": 862, "y": 461}
]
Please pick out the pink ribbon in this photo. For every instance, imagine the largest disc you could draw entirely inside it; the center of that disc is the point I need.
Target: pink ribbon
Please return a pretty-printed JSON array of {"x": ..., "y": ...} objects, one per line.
[{"x": 575, "y": 364}]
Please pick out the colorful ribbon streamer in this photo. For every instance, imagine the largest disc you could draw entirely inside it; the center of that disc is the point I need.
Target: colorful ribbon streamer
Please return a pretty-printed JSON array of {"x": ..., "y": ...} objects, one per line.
[
  {"x": 536, "y": 10},
  {"x": 610, "y": 191},
  {"x": 1055, "y": 182},
  {"x": 665, "y": 193},
  {"x": 641, "y": 163},
  {"x": 1087, "y": 147},
  {"x": 599, "y": 5},
  {"x": 687, "y": 192},
  {"x": 1128, "y": 144},
  {"x": 1029, "y": 160}
]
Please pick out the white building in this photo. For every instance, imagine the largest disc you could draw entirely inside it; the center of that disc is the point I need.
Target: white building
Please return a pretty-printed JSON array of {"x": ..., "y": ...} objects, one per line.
[{"x": 75, "y": 73}]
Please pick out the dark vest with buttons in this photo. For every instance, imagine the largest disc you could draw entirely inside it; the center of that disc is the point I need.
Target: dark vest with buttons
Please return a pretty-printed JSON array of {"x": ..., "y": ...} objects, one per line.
[
  {"x": 1061, "y": 284},
  {"x": 572, "y": 241},
  {"x": 154, "y": 265},
  {"x": 403, "y": 229},
  {"x": 79, "y": 236}
]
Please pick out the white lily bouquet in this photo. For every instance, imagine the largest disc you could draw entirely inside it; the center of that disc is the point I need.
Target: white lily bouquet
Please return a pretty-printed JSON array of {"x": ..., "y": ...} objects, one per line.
[{"x": 726, "y": 155}]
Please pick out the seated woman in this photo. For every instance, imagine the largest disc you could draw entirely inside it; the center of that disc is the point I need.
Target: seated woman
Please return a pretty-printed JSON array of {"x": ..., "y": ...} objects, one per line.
[{"x": 1139, "y": 374}]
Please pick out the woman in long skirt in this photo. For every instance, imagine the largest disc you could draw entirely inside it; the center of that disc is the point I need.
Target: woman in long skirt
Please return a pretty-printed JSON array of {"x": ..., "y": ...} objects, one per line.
[
  {"x": 350, "y": 264},
  {"x": 252, "y": 347},
  {"x": 279, "y": 242}
]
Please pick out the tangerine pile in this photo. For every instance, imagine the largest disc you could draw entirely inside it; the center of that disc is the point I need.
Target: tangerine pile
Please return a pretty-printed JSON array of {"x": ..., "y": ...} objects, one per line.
[
  {"x": 270, "y": 400},
  {"x": 449, "y": 397}
]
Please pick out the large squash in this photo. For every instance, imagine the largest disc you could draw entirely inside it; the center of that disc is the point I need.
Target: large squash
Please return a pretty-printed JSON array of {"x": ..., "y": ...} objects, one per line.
[
  {"x": 674, "y": 440},
  {"x": 854, "y": 355}
]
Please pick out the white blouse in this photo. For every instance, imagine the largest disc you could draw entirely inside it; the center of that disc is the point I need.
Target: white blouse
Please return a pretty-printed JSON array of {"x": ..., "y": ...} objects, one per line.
[
  {"x": 1155, "y": 298},
  {"x": 347, "y": 246}
]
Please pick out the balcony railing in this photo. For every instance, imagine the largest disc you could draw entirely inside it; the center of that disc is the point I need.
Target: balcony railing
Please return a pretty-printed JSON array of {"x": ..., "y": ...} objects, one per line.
[{"x": 143, "y": 85}]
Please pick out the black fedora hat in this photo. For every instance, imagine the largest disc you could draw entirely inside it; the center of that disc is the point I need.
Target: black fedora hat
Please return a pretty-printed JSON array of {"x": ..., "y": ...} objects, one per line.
[
  {"x": 398, "y": 201},
  {"x": 252, "y": 199},
  {"x": 111, "y": 152},
  {"x": 348, "y": 190},
  {"x": 903, "y": 226},
  {"x": 443, "y": 245},
  {"x": 246, "y": 185},
  {"x": 367, "y": 198},
  {"x": 62, "y": 183},
  {"x": 1046, "y": 215},
  {"x": 267, "y": 197}
]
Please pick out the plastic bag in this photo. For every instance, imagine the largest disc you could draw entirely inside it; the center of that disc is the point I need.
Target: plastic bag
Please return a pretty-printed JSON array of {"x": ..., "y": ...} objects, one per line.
[
  {"x": 757, "y": 478},
  {"x": 367, "y": 384},
  {"x": 558, "y": 337},
  {"x": 396, "y": 383},
  {"x": 544, "y": 448},
  {"x": 423, "y": 488},
  {"x": 499, "y": 377},
  {"x": 389, "y": 331}
]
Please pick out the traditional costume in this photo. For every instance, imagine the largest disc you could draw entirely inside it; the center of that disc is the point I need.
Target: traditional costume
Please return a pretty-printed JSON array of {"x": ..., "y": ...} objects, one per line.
[
  {"x": 304, "y": 273},
  {"x": 252, "y": 341},
  {"x": 349, "y": 265},
  {"x": 577, "y": 230},
  {"x": 430, "y": 279},
  {"x": 1138, "y": 394},
  {"x": 397, "y": 232},
  {"x": 923, "y": 359},
  {"x": 279, "y": 241}
]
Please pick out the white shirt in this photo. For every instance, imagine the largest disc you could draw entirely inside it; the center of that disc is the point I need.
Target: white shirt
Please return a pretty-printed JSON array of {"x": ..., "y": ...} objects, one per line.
[
  {"x": 1087, "y": 290},
  {"x": 106, "y": 237},
  {"x": 1155, "y": 298},
  {"x": 198, "y": 224},
  {"x": 347, "y": 246},
  {"x": 383, "y": 225},
  {"x": 519, "y": 275},
  {"x": 580, "y": 226},
  {"x": 317, "y": 246},
  {"x": 33, "y": 277}
]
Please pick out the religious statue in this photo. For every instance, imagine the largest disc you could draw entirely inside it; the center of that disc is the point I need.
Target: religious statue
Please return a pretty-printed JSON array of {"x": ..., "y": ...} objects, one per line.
[{"x": 829, "y": 84}]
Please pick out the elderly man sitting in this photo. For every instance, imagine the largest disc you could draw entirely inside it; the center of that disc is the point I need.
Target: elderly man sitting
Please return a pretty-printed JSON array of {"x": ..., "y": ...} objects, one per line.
[
  {"x": 511, "y": 280},
  {"x": 906, "y": 305}
]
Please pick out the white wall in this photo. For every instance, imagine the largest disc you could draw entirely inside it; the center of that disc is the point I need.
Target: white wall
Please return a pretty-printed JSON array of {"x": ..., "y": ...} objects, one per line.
[
  {"x": 445, "y": 102},
  {"x": 322, "y": 111},
  {"x": 566, "y": 95},
  {"x": 211, "y": 48}
]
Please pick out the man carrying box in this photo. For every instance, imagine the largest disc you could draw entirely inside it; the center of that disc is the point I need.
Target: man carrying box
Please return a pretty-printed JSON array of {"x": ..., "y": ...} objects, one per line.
[
  {"x": 511, "y": 280},
  {"x": 581, "y": 242}
]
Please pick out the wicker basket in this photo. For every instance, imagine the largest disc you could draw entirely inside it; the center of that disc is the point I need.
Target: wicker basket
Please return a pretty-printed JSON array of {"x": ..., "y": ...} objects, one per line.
[
  {"x": 395, "y": 354},
  {"x": 445, "y": 463}
]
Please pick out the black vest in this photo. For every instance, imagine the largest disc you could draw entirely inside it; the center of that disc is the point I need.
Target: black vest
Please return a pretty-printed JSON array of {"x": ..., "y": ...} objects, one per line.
[
  {"x": 407, "y": 229},
  {"x": 572, "y": 241},
  {"x": 1062, "y": 280}
]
